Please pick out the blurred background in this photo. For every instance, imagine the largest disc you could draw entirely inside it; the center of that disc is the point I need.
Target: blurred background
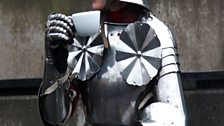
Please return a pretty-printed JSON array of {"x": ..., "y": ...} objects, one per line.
[{"x": 198, "y": 27}]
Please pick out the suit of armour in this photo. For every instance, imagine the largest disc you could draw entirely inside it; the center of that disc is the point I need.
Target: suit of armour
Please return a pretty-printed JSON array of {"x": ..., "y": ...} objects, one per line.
[{"x": 127, "y": 74}]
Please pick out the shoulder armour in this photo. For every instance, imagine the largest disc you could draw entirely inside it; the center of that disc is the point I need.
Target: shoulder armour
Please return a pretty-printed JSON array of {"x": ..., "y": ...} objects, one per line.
[{"x": 170, "y": 62}]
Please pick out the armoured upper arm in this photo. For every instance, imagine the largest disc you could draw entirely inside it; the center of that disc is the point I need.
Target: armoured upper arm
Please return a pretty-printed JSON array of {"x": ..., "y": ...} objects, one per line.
[
  {"x": 169, "y": 90},
  {"x": 169, "y": 87}
]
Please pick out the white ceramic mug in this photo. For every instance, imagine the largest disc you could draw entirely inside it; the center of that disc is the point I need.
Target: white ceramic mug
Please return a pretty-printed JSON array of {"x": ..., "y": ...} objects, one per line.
[{"x": 87, "y": 23}]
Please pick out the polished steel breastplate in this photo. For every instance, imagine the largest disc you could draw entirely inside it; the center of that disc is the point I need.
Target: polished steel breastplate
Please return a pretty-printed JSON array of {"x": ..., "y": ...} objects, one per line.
[
  {"x": 109, "y": 99},
  {"x": 117, "y": 76}
]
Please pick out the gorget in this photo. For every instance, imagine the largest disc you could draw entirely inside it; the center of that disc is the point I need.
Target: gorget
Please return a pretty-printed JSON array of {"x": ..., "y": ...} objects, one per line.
[{"x": 135, "y": 47}]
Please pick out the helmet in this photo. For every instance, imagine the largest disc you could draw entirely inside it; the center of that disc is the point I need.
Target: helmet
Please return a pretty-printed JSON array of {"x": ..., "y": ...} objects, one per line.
[{"x": 143, "y": 3}]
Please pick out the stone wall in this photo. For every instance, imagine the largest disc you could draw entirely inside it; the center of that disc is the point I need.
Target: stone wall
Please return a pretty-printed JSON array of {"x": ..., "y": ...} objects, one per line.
[
  {"x": 198, "y": 27},
  {"x": 22, "y": 34}
]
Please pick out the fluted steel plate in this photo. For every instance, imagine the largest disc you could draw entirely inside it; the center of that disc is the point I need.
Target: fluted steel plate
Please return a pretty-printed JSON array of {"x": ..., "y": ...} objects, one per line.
[
  {"x": 85, "y": 56},
  {"x": 138, "y": 54}
]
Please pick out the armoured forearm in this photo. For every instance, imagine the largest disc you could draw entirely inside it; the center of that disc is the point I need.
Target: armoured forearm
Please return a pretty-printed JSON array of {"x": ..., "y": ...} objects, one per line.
[
  {"x": 55, "y": 73},
  {"x": 56, "y": 98},
  {"x": 55, "y": 95},
  {"x": 51, "y": 75}
]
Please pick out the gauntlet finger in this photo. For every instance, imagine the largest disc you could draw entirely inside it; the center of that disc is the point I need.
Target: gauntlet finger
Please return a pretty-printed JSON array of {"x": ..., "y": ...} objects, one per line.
[
  {"x": 58, "y": 36},
  {"x": 63, "y": 18},
  {"x": 62, "y": 24}
]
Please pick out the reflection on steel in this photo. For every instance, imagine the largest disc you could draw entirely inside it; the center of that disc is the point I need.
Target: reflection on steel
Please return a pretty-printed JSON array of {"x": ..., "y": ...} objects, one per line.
[
  {"x": 85, "y": 56},
  {"x": 138, "y": 54}
]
